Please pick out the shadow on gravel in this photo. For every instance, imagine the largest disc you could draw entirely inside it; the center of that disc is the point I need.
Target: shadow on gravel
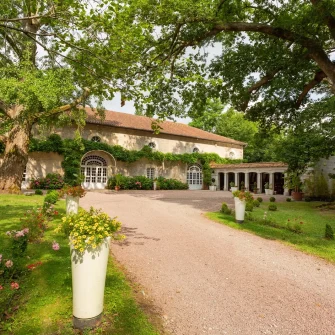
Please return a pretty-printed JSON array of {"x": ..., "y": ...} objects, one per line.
[{"x": 131, "y": 232}]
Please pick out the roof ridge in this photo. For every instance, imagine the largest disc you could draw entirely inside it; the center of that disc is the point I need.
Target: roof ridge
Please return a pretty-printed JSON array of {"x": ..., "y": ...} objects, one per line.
[{"x": 188, "y": 131}]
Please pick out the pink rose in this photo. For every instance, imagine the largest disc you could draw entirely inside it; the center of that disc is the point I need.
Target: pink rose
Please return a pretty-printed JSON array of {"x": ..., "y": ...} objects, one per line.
[
  {"x": 14, "y": 286},
  {"x": 55, "y": 245},
  {"x": 9, "y": 264}
]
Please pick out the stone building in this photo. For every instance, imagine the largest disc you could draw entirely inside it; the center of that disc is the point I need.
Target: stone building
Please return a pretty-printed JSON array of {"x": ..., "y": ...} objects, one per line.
[{"x": 132, "y": 132}]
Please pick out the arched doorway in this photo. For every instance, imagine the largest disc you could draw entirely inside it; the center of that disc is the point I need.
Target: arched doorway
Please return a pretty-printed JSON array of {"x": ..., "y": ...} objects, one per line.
[
  {"x": 94, "y": 170},
  {"x": 194, "y": 177}
]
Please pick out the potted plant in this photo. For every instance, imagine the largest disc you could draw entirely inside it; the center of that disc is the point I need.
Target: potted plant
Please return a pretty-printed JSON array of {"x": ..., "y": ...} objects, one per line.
[
  {"x": 233, "y": 188},
  {"x": 154, "y": 185},
  {"x": 254, "y": 188},
  {"x": 241, "y": 198},
  {"x": 266, "y": 187},
  {"x": 242, "y": 186},
  {"x": 90, "y": 233},
  {"x": 293, "y": 182},
  {"x": 212, "y": 187},
  {"x": 270, "y": 190},
  {"x": 73, "y": 193},
  {"x": 118, "y": 178}
]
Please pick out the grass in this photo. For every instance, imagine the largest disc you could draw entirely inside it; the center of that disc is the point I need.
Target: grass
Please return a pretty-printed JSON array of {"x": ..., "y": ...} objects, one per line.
[
  {"x": 308, "y": 215},
  {"x": 43, "y": 304}
]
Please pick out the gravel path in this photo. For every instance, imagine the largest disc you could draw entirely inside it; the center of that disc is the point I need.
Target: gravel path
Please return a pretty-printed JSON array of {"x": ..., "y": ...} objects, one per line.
[{"x": 207, "y": 278}]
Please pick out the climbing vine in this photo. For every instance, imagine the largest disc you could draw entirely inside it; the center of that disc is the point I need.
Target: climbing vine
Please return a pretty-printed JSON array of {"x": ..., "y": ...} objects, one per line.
[{"x": 74, "y": 149}]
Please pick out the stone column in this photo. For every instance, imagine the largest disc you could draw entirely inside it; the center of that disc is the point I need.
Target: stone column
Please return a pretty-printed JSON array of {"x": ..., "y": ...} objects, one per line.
[
  {"x": 236, "y": 179},
  {"x": 226, "y": 186},
  {"x": 246, "y": 181},
  {"x": 259, "y": 182},
  {"x": 286, "y": 190},
  {"x": 271, "y": 179}
]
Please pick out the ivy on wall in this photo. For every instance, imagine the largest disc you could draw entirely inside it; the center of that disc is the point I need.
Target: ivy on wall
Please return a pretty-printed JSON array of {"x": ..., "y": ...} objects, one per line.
[{"x": 74, "y": 149}]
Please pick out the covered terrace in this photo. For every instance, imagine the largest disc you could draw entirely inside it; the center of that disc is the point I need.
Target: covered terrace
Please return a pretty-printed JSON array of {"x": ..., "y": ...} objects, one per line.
[{"x": 251, "y": 175}]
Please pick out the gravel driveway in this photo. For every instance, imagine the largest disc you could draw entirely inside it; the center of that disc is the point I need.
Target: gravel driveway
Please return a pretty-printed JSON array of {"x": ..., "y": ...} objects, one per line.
[{"x": 207, "y": 278}]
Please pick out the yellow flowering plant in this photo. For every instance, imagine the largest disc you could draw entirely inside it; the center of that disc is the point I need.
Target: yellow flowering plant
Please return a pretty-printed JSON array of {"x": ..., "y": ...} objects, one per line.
[{"x": 88, "y": 229}]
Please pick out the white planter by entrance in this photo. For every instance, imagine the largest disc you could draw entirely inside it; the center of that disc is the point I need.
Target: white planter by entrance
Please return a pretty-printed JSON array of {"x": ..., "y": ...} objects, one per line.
[
  {"x": 155, "y": 185},
  {"x": 239, "y": 210},
  {"x": 212, "y": 188},
  {"x": 270, "y": 192},
  {"x": 72, "y": 205},
  {"x": 88, "y": 284},
  {"x": 267, "y": 191}
]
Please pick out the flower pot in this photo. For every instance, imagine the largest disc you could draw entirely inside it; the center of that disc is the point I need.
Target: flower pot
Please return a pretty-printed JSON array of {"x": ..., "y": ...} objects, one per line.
[
  {"x": 234, "y": 188},
  {"x": 72, "y": 204},
  {"x": 155, "y": 185},
  {"x": 297, "y": 196},
  {"x": 212, "y": 188},
  {"x": 117, "y": 188},
  {"x": 270, "y": 192},
  {"x": 267, "y": 191},
  {"x": 88, "y": 284},
  {"x": 239, "y": 210}
]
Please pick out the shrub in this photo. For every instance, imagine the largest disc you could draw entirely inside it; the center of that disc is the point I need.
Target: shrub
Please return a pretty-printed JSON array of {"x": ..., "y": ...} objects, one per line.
[
  {"x": 35, "y": 221},
  {"x": 144, "y": 183},
  {"x": 288, "y": 199},
  {"x": 249, "y": 207},
  {"x": 272, "y": 207},
  {"x": 260, "y": 200},
  {"x": 52, "y": 181},
  {"x": 295, "y": 227},
  {"x": 329, "y": 234},
  {"x": 225, "y": 209},
  {"x": 256, "y": 203},
  {"x": 38, "y": 192},
  {"x": 51, "y": 197},
  {"x": 272, "y": 199}
]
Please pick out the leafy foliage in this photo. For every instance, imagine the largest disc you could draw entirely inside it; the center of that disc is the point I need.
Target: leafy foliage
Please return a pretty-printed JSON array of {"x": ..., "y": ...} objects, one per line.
[
  {"x": 52, "y": 181},
  {"x": 272, "y": 207},
  {"x": 329, "y": 233}
]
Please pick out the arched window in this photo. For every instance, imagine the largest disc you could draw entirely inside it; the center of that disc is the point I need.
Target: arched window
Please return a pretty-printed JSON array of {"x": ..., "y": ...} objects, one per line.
[
  {"x": 195, "y": 149},
  {"x": 194, "y": 177},
  {"x": 94, "y": 170},
  {"x": 152, "y": 145},
  {"x": 231, "y": 155},
  {"x": 96, "y": 139}
]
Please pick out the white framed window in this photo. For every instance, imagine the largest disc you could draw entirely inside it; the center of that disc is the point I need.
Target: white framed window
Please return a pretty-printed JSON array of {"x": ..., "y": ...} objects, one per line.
[
  {"x": 96, "y": 139},
  {"x": 152, "y": 145},
  {"x": 151, "y": 173},
  {"x": 194, "y": 177},
  {"x": 231, "y": 155},
  {"x": 195, "y": 149},
  {"x": 24, "y": 175}
]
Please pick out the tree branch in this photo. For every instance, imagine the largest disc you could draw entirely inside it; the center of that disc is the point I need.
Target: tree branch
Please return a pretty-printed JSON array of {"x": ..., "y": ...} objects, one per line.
[
  {"x": 255, "y": 87},
  {"x": 319, "y": 76},
  {"x": 328, "y": 18},
  {"x": 33, "y": 17}
]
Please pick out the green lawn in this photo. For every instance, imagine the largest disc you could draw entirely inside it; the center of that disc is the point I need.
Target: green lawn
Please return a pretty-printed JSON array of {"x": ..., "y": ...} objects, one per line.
[
  {"x": 306, "y": 214},
  {"x": 43, "y": 304}
]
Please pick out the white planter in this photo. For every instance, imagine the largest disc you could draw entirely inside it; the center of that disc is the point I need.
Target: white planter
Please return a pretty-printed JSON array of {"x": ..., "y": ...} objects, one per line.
[
  {"x": 88, "y": 284},
  {"x": 267, "y": 191},
  {"x": 239, "y": 210},
  {"x": 270, "y": 192},
  {"x": 155, "y": 186},
  {"x": 234, "y": 188},
  {"x": 72, "y": 205},
  {"x": 212, "y": 188}
]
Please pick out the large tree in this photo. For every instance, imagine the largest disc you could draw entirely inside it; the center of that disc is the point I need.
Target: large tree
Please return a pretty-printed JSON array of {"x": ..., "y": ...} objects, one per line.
[
  {"x": 272, "y": 58},
  {"x": 54, "y": 56}
]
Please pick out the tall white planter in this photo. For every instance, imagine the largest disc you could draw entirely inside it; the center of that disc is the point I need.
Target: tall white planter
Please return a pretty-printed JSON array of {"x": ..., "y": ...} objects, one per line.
[
  {"x": 72, "y": 204},
  {"x": 88, "y": 284},
  {"x": 239, "y": 210},
  {"x": 234, "y": 188}
]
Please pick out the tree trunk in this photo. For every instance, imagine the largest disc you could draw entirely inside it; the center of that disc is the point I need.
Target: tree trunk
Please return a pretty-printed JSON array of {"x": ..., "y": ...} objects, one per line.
[{"x": 15, "y": 157}]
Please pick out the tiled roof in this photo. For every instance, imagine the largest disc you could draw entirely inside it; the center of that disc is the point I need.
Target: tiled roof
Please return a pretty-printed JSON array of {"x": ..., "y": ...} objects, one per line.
[
  {"x": 123, "y": 120},
  {"x": 249, "y": 165}
]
